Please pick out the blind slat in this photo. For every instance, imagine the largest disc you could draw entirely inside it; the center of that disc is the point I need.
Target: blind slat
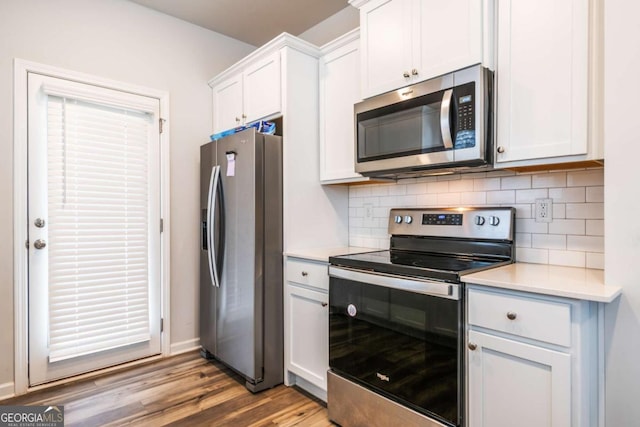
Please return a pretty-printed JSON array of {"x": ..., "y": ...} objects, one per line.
[{"x": 98, "y": 192}]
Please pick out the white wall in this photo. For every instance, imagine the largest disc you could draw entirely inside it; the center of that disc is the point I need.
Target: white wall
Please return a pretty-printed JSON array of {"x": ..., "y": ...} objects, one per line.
[
  {"x": 574, "y": 237},
  {"x": 123, "y": 41},
  {"x": 622, "y": 210}
]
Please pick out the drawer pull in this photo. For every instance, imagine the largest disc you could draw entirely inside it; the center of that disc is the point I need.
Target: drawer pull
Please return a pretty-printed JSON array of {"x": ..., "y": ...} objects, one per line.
[
  {"x": 511, "y": 315},
  {"x": 305, "y": 274},
  {"x": 472, "y": 346},
  {"x": 324, "y": 304}
]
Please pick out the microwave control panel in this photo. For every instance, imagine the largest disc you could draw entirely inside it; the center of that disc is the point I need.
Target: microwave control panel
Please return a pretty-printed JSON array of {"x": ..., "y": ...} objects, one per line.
[
  {"x": 466, "y": 117},
  {"x": 465, "y": 102}
]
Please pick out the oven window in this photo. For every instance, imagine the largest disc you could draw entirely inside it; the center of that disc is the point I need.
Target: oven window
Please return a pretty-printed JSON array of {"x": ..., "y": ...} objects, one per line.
[{"x": 401, "y": 344}]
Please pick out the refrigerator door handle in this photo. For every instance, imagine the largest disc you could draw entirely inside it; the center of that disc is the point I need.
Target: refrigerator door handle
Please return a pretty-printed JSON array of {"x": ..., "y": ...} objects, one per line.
[{"x": 211, "y": 212}]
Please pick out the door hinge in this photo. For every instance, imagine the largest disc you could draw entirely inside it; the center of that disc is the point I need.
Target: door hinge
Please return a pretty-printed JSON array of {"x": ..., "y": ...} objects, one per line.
[
  {"x": 161, "y": 225},
  {"x": 161, "y": 124},
  {"x": 161, "y": 324}
]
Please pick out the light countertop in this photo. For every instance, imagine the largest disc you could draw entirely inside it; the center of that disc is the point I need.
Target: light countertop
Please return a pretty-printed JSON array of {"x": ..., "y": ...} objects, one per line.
[
  {"x": 323, "y": 254},
  {"x": 568, "y": 282}
]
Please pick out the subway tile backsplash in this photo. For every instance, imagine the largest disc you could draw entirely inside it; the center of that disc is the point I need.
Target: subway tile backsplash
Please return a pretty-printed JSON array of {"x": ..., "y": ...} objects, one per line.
[{"x": 574, "y": 237}]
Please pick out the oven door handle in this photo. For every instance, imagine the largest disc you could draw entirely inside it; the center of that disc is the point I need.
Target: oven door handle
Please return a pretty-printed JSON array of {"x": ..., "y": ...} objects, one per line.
[{"x": 426, "y": 287}]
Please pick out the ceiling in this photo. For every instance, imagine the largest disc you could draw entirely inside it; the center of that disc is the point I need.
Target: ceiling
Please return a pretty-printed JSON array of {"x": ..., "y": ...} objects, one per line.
[{"x": 251, "y": 21}]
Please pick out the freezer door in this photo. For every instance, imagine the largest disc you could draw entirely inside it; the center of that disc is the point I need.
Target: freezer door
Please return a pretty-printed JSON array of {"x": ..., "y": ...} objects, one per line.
[
  {"x": 239, "y": 308},
  {"x": 207, "y": 292}
]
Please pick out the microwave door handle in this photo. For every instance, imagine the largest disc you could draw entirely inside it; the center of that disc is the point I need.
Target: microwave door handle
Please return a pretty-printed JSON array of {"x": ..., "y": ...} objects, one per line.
[{"x": 445, "y": 121}]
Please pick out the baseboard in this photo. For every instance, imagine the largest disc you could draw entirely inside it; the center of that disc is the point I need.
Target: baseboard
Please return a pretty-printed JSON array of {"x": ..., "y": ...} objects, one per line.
[
  {"x": 310, "y": 388},
  {"x": 7, "y": 390},
  {"x": 185, "y": 346}
]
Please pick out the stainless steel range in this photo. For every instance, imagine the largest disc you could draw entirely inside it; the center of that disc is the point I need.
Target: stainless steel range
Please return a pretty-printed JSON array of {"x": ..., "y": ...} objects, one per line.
[{"x": 396, "y": 317}]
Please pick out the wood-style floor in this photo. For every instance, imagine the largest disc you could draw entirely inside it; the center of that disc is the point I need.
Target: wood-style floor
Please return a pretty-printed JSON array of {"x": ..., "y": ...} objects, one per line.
[{"x": 184, "y": 390}]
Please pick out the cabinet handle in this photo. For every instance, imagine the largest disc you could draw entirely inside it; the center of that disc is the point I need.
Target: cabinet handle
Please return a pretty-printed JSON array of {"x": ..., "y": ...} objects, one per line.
[
  {"x": 244, "y": 116},
  {"x": 305, "y": 274},
  {"x": 501, "y": 149},
  {"x": 472, "y": 346},
  {"x": 414, "y": 72},
  {"x": 511, "y": 315},
  {"x": 237, "y": 119},
  {"x": 406, "y": 74},
  {"x": 324, "y": 304}
]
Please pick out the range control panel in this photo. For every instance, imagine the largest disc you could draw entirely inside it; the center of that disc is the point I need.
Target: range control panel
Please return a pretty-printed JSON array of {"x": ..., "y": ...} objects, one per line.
[
  {"x": 473, "y": 223},
  {"x": 441, "y": 219}
]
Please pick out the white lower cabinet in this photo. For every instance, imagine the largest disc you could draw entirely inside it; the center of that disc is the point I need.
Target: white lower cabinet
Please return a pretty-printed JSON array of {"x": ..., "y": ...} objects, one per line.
[
  {"x": 531, "y": 360},
  {"x": 512, "y": 383},
  {"x": 306, "y": 321}
]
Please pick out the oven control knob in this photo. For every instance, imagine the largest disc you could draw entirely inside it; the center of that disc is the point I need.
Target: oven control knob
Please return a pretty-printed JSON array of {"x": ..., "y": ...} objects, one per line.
[
  {"x": 408, "y": 219},
  {"x": 494, "y": 220},
  {"x": 351, "y": 310},
  {"x": 479, "y": 220},
  {"x": 398, "y": 219}
]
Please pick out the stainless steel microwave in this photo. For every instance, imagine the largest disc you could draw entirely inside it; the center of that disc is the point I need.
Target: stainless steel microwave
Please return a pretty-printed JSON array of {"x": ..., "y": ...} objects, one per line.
[{"x": 439, "y": 125}]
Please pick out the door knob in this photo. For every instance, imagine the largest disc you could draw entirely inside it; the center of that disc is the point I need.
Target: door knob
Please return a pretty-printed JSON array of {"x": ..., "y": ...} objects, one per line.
[
  {"x": 39, "y": 244},
  {"x": 406, "y": 74},
  {"x": 472, "y": 346},
  {"x": 39, "y": 222},
  {"x": 414, "y": 72}
]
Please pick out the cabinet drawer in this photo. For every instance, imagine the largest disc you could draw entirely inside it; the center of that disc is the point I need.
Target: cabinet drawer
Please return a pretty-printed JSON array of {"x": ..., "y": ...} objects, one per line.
[
  {"x": 541, "y": 320},
  {"x": 308, "y": 273}
]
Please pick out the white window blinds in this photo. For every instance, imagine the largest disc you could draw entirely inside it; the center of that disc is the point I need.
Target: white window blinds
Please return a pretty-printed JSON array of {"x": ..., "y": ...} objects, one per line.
[{"x": 98, "y": 210}]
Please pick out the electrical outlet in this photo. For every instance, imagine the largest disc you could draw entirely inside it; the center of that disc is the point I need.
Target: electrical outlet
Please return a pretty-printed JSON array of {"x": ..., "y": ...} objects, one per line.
[
  {"x": 368, "y": 220},
  {"x": 544, "y": 210}
]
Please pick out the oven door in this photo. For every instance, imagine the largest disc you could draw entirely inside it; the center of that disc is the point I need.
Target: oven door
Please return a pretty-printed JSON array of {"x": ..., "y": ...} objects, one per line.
[{"x": 402, "y": 340}]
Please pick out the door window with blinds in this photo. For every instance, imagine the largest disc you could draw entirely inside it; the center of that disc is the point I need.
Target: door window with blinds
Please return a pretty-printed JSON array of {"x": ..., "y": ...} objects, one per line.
[{"x": 94, "y": 227}]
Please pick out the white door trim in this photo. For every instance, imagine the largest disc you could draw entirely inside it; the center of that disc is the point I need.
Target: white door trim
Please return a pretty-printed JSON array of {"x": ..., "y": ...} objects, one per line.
[{"x": 20, "y": 226}]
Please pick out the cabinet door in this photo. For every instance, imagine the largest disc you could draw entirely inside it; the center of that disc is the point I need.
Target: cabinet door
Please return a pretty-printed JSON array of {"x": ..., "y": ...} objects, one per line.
[
  {"x": 339, "y": 91},
  {"x": 227, "y": 104},
  {"x": 512, "y": 383},
  {"x": 542, "y": 85},
  {"x": 450, "y": 36},
  {"x": 262, "y": 92},
  {"x": 387, "y": 40},
  {"x": 307, "y": 330}
]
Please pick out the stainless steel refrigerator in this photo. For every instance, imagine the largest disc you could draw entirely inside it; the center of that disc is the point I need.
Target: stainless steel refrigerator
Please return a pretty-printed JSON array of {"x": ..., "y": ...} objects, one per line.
[{"x": 241, "y": 256}]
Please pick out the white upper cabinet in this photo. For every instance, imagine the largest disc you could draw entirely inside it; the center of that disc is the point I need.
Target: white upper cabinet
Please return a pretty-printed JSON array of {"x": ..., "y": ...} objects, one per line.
[
  {"x": 386, "y": 42},
  {"x": 407, "y": 41},
  {"x": 339, "y": 91},
  {"x": 250, "y": 95},
  {"x": 545, "y": 61},
  {"x": 449, "y": 36},
  {"x": 262, "y": 91},
  {"x": 229, "y": 94}
]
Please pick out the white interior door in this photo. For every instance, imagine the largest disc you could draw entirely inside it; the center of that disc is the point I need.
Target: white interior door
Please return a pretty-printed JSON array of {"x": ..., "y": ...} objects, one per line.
[{"x": 94, "y": 227}]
